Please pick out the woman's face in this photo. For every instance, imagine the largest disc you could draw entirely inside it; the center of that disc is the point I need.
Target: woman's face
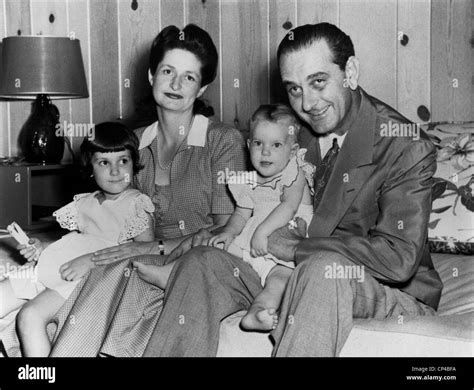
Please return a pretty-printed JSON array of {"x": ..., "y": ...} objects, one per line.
[{"x": 177, "y": 81}]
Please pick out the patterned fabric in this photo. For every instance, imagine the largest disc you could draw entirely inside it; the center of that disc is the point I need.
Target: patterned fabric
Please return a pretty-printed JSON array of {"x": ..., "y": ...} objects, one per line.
[
  {"x": 451, "y": 227},
  {"x": 211, "y": 150},
  {"x": 112, "y": 312},
  {"x": 100, "y": 225},
  {"x": 323, "y": 172}
]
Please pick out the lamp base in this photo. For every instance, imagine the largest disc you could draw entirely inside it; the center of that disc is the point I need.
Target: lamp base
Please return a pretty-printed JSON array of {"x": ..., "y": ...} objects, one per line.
[{"x": 38, "y": 140}]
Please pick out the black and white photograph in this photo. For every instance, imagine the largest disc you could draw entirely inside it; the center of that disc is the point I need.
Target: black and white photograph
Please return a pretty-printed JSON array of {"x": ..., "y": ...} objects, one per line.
[{"x": 237, "y": 179}]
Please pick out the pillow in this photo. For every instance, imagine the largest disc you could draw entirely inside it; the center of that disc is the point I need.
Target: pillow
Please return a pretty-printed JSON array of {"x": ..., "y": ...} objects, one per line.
[{"x": 451, "y": 227}]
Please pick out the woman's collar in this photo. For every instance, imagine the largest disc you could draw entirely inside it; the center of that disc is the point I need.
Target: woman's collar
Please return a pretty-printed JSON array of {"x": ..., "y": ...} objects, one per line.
[{"x": 196, "y": 136}]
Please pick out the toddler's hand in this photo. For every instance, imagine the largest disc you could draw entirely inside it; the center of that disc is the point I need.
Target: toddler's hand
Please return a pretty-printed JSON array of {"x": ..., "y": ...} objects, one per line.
[
  {"x": 222, "y": 240},
  {"x": 258, "y": 244},
  {"x": 76, "y": 268},
  {"x": 32, "y": 251}
]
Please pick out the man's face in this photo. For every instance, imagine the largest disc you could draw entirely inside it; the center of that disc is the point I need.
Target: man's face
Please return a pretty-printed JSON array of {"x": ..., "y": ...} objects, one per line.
[{"x": 314, "y": 84}]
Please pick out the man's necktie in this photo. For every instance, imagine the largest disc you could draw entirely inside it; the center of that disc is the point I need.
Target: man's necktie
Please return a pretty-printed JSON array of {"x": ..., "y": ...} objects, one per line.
[{"x": 323, "y": 172}]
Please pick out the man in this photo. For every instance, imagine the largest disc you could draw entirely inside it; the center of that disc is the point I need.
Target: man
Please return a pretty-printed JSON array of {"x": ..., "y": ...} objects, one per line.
[{"x": 366, "y": 255}]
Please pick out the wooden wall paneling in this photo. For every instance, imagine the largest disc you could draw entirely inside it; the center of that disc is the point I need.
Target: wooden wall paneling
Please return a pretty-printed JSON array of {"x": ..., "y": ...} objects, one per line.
[
  {"x": 244, "y": 60},
  {"x": 206, "y": 15},
  {"x": 78, "y": 28},
  {"x": 4, "y": 105},
  {"x": 452, "y": 58},
  {"x": 138, "y": 28},
  {"x": 172, "y": 13},
  {"x": 413, "y": 58},
  {"x": 318, "y": 11},
  {"x": 18, "y": 23},
  {"x": 50, "y": 18},
  {"x": 372, "y": 28},
  {"x": 282, "y": 19},
  {"x": 104, "y": 61}
]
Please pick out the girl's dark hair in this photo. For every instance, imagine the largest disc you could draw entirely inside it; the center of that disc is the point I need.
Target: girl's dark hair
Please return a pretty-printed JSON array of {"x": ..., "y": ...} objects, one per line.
[
  {"x": 110, "y": 137},
  {"x": 301, "y": 37},
  {"x": 195, "y": 40}
]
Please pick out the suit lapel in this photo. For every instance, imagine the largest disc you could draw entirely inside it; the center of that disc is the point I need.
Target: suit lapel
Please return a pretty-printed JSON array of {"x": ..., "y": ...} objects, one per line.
[{"x": 351, "y": 170}]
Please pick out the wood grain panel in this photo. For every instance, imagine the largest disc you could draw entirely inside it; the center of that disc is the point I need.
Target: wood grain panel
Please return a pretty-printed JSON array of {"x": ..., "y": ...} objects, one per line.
[
  {"x": 4, "y": 105},
  {"x": 104, "y": 61},
  {"x": 172, "y": 13},
  {"x": 206, "y": 15},
  {"x": 79, "y": 29},
  {"x": 244, "y": 60},
  {"x": 318, "y": 11},
  {"x": 413, "y": 66},
  {"x": 50, "y": 18},
  {"x": 452, "y": 58},
  {"x": 375, "y": 41},
  {"x": 18, "y": 23},
  {"x": 138, "y": 28},
  {"x": 282, "y": 19}
]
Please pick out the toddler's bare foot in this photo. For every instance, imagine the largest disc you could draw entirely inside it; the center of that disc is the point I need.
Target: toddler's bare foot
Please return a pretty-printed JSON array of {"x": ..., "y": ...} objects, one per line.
[
  {"x": 157, "y": 275},
  {"x": 260, "y": 318}
]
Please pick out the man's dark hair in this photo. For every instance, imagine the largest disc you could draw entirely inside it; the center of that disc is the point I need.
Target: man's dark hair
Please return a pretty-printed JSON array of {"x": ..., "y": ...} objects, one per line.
[{"x": 301, "y": 37}]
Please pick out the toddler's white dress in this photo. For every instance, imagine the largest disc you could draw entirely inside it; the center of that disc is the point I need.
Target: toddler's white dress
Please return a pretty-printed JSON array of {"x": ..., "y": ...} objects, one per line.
[
  {"x": 263, "y": 198},
  {"x": 94, "y": 226}
]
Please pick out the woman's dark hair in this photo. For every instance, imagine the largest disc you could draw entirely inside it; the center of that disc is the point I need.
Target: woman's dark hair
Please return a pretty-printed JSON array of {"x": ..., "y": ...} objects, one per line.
[
  {"x": 195, "y": 40},
  {"x": 301, "y": 37},
  {"x": 110, "y": 137}
]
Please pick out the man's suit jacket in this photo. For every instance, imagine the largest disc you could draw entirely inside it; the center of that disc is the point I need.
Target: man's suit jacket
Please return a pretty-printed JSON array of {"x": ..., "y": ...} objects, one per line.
[{"x": 376, "y": 206}]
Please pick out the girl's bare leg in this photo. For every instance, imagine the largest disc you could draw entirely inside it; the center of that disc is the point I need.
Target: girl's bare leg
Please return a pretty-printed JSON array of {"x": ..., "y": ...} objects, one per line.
[
  {"x": 157, "y": 275},
  {"x": 263, "y": 313},
  {"x": 32, "y": 321}
]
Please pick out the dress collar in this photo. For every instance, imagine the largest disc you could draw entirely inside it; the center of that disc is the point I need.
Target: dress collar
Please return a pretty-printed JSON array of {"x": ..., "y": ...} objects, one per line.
[{"x": 196, "y": 136}]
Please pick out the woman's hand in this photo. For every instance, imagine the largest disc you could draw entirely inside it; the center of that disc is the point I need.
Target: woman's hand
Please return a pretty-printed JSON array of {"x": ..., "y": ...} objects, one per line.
[
  {"x": 258, "y": 244},
  {"x": 121, "y": 252},
  {"x": 202, "y": 237},
  {"x": 32, "y": 251},
  {"x": 76, "y": 268},
  {"x": 224, "y": 238}
]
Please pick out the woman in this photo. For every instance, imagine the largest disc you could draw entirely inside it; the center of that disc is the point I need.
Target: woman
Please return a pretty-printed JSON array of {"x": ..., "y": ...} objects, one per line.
[{"x": 114, "y": 310}]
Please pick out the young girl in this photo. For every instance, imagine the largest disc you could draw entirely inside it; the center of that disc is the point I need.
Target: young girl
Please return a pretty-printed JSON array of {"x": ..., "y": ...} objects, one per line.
[
  {"x": 112, "y": 215},
  {"x": 267, "y": 199},
  {"x": 279, "y": 191}
]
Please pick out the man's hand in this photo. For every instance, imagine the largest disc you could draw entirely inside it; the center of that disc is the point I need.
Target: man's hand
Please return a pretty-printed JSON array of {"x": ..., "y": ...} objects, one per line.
[
  {"x": 202, "y": 237},
  {"x": 283, "y": 241},
  {"x": 121, "y": 252}
]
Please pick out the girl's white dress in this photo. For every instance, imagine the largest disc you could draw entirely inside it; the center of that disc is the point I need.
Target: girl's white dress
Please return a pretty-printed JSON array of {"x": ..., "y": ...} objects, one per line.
[
  {"x": 94, "y": 226},
  {"x": 263, "y": 198}
]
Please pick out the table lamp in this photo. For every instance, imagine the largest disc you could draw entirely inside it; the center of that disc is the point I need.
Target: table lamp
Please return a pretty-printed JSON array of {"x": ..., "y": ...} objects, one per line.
[{"x": 42, "y": 68}]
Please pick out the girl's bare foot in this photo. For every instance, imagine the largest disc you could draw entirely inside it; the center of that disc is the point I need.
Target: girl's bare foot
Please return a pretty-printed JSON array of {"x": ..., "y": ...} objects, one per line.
[
  {"x": 260, "y": 318},
  {"x": 157, "y": 275}
]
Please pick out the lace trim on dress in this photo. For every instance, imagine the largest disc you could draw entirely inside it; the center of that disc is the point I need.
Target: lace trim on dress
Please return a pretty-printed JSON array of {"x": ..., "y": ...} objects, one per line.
[
  {"x": 67, "y": 216},
  {"x": 137, "y": 223}
]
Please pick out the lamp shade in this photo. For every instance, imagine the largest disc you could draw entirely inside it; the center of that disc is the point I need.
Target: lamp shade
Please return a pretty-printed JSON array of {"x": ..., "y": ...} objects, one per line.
[{"x": 33, "y": 65}]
